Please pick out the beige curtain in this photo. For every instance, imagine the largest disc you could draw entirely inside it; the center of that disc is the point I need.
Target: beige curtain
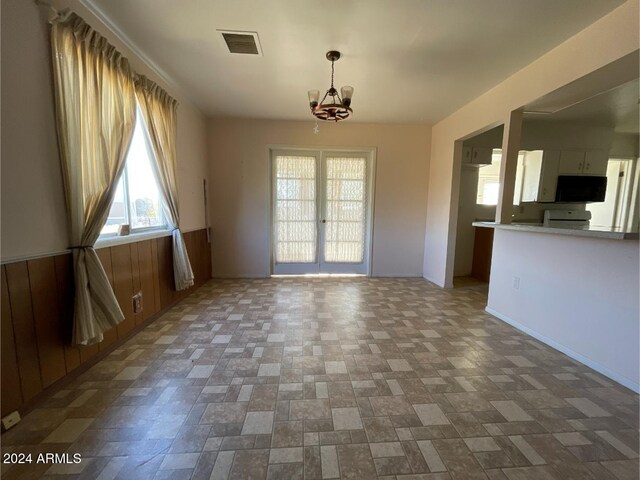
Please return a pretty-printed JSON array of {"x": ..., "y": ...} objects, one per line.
[
  {"x": 95, "y": 109},
  {"x": 159, "y": 112}
]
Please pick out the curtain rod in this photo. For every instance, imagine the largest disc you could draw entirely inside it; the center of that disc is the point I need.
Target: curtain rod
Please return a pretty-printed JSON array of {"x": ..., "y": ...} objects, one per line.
[{"x": 49, "y": 5}]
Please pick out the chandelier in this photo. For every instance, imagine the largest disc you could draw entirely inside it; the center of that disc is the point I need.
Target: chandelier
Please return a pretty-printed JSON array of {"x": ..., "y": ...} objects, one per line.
[{"x": 332, "y": 107}]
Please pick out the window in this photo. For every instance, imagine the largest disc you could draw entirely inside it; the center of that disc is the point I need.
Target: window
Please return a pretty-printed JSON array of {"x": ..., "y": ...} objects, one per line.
[
  {"x": 137, "y": 201},
  {"x": 489, "y": 180}
]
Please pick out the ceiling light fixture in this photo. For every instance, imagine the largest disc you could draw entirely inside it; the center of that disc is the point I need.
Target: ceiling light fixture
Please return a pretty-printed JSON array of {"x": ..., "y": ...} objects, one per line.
[{"x": 335, "y": 108}]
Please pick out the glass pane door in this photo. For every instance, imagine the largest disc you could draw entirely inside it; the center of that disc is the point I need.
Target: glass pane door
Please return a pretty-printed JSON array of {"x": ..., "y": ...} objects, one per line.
[
  {"x": 320, "y": 220},
  {"x": 294, "y": 217},
  {"x": 344, "y": 223}
]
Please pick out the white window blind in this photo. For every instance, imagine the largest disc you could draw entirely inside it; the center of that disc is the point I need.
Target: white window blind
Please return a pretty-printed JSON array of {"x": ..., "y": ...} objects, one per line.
[
  {"x": 295, "y": 232},
  {"x": 345, "y": 210}
]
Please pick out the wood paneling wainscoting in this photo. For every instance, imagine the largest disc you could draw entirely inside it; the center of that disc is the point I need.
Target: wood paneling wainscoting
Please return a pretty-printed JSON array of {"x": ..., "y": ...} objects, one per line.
[{"x": 37, "y": 310}]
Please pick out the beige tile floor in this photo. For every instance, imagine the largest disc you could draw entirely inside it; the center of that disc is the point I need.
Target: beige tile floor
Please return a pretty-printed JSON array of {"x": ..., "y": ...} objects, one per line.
[{"x": 333, "y": 378}]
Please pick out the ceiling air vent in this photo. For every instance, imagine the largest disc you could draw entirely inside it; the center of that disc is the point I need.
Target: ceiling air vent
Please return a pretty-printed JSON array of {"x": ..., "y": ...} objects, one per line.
[{"x": 242, "y": 42}]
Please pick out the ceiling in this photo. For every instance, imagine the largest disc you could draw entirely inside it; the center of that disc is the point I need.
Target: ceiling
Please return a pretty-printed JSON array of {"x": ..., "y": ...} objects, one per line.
[
  {"x": 414, "y": 61},
  {"x": 617, "y": 108}
]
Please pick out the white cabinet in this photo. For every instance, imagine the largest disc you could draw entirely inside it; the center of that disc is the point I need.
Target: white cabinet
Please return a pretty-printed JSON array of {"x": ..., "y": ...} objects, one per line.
[
  {"x": 579, "y": 162},
  {"x": 477, "y": 155},
  {"x": 571, "y": 162},
  {"x": 596, "y": 162}
]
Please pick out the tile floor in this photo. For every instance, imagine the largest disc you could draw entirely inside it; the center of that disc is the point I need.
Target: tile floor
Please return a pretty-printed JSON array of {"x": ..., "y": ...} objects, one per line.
[{"x": 333, "y": 378}]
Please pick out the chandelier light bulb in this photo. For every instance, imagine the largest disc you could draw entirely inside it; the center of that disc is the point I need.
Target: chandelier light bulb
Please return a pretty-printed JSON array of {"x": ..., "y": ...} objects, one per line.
[
  {"x": 347, "y": 94},
  {"x": 314, "y": 96}
]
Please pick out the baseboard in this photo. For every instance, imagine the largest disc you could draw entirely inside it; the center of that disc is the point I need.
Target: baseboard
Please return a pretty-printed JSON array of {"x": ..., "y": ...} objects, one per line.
[
  {"x": 616, "y": 377},
  {"x": 262, "y": 275},
  {"x": 396, "y": 275},
  {"x": 238, "y": 276},
  {"x": 437, "y": 284}
]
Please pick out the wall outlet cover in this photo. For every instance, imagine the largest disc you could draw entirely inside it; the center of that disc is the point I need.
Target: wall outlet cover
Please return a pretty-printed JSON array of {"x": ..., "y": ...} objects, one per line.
[
  {"x": 137, "y": 302},
  {"x": 10, "y": 420}
]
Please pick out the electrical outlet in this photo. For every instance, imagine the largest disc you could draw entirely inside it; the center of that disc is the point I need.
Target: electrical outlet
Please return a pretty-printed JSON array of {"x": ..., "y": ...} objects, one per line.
[
  {"x": 10, "y": 420},
  {"x": 516, "y": 283},
  {"x": 137, "y": 302}
]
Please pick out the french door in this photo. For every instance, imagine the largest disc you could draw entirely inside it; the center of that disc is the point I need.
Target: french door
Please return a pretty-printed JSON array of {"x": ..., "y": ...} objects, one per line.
[{"x": 321, "y": 211}]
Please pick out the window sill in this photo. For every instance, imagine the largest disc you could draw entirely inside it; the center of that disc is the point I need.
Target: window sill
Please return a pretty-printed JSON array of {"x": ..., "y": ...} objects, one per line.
[{"x": 131, "y": 238}]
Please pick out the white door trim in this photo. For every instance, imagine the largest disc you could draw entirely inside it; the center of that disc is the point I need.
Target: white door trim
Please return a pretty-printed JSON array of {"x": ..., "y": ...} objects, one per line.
[{"x": 369, "y": 152}]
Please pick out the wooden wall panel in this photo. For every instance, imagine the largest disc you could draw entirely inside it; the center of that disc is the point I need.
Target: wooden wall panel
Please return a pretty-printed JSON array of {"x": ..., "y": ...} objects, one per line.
[
  {"x": 47, "y": 320},
  {"x": 88, "y": 352},
  {"x": 188, "y": 241},
  {"x": 165, "y": 271},
  {"x": 199, "y": 254},
  {"x": 37, "y": 310},
  {"x": 175, "y": 295},
  {"x": 110, "y": 336},
  {"x": 147, "y": 285},
  {"x": 156, "y": 274},
  {"x": 195, "y": 254},
  {"x": 65, "y": 288},
  {"x": 123, "y": 286},
  {"x": 205, "y": 256},
  {"x": 23, "y": 329},
  {"x": 11, "y": 391},
  {"x": 136, "y": 285}
]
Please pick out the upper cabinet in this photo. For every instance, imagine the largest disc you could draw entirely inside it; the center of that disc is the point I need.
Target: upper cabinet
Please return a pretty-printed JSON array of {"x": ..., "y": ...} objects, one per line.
[
  {"x": 595, "y": 162},
  {"x": 540, "y": 176},
  {"x": 578, "y": 162},
  {"x": 476, "y": 155}
]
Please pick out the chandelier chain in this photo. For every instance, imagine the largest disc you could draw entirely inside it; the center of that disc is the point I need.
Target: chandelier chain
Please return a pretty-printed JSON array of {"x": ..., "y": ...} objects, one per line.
[{"x": 332, "y": 62}]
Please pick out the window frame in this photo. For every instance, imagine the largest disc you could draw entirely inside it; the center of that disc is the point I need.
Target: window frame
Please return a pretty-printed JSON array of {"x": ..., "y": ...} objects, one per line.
[{"x": 124, "y": 177}]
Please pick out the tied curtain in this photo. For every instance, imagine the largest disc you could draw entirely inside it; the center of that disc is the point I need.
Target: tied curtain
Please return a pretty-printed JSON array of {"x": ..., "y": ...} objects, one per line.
[
  {"x": 159, "y": 113},
  {"x": 95, "y": 114}
]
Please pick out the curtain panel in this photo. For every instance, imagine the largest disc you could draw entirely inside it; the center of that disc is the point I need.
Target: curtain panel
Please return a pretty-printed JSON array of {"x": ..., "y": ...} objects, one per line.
[
  {"x": 95, "y": 115},
  {"x": 159, "y": 111}
]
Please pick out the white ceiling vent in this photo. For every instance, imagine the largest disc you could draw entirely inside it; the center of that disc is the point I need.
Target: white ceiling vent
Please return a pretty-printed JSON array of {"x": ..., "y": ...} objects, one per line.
[{"x": 246, "y": 43}]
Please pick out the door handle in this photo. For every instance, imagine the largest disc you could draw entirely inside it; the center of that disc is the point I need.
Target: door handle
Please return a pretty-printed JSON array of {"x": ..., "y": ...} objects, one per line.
[{"x": 324, "y": 221}]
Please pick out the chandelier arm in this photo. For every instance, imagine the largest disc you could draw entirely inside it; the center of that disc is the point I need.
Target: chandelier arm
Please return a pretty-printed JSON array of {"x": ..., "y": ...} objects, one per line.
[{"x": 324, "y": 98}]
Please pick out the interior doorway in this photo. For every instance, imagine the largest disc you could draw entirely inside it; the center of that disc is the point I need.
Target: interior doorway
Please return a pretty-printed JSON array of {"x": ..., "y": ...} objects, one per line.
[
  {"x": 617, "y": 209},
  {"x": 321, "y": 211},
  {"x": 478, "y": 197}
]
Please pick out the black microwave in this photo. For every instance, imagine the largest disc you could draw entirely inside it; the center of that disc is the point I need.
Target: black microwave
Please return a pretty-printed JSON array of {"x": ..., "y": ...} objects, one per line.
[{"x": 581, "y": 189}]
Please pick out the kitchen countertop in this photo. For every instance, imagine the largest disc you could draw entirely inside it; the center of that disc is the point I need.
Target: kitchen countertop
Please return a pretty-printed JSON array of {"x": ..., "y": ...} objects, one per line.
[{"x": 590, "y": 231}]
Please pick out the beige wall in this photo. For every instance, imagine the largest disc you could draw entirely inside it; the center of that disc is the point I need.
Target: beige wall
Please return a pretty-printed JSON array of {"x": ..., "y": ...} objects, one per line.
[
  {"x": 625, "y": 145},
  {"x": 33, "y": 211},
  {"x": 240, "y": 204},
  {"x": 607, "y": 40},
  {"x": 579, "y": 295}
]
